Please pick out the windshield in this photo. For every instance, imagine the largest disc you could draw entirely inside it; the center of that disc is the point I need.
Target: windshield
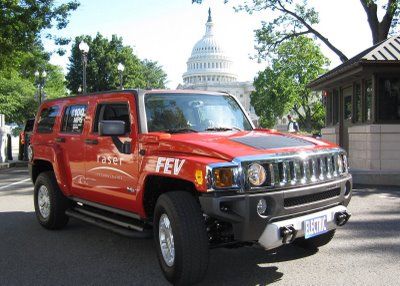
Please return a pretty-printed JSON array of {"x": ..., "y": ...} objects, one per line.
[{"x": 194, "y": 113}]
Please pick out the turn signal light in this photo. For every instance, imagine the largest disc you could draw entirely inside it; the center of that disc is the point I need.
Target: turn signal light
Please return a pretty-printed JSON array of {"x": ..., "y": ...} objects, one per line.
[{"x": 223, "y": 177}]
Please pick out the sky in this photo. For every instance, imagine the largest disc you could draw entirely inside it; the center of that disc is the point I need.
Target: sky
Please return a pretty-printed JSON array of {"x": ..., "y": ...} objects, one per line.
[{"x": 166, "y": 30}]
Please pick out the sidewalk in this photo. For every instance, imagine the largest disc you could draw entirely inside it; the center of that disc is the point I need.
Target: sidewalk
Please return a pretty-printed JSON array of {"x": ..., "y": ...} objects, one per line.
[
  {"x": 12, "y": 164},
  {"x": 15, "y": 162}
]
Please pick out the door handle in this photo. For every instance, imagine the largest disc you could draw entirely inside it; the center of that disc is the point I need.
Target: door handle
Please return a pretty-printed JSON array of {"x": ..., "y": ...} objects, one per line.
[
  {"x": 60, "y": 139},
  {"x": 91, "y": 141}
]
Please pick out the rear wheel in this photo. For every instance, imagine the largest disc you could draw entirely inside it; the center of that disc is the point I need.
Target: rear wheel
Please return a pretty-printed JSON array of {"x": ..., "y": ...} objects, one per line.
[
  {"x": 315, "y": 242},
  {"x": 50, "y": 203},
  {"x": 181, "y": 238}
]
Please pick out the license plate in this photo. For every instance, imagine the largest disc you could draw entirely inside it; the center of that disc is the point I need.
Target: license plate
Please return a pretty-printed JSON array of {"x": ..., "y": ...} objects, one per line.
[{"x": 315, "y": 226}]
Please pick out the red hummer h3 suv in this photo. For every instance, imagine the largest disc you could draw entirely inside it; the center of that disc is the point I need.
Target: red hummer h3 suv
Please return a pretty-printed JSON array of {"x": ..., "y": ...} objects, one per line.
[{"x": 187, "y": 167}]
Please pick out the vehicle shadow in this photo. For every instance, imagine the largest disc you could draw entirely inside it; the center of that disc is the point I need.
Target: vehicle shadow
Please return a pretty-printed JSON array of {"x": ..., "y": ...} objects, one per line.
[
  {"x": 86, "y": 255},
  {"x": 250, "y": 265}
]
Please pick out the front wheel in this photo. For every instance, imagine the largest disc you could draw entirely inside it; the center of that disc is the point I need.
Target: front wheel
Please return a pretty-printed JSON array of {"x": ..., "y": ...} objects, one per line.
[{"x": 181, "y": 238}]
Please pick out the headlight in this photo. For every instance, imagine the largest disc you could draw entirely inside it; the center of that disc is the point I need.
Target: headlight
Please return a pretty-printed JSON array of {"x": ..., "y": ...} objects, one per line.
[
  {"x": 256, "y": 174},
  {"x": 224, "y": 177}
]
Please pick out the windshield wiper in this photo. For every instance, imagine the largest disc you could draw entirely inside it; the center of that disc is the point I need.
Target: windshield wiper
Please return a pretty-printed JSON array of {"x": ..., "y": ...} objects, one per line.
[
  {"x": 223, "y": 128},
  {"x": 180, "y": 130}
]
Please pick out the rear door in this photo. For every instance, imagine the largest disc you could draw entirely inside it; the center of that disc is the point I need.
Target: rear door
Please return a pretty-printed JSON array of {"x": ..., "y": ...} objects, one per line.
[
  {"x": 112, "y": 175},
  {"x": 70, "y": 139}
]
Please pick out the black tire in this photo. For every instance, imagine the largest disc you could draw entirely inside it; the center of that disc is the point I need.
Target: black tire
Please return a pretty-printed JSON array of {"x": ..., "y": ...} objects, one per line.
[
  {"x": 189, "y": 236},
  {"x": 56, "y": 219},
  {"x": 315, "y": 242}
]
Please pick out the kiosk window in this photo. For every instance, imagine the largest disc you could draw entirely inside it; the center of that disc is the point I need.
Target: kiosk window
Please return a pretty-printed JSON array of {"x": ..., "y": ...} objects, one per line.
[{"x": 74, "y": 118}]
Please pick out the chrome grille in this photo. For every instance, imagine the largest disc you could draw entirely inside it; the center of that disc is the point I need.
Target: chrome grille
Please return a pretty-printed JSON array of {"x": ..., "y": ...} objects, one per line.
[{"x": 303, "y": 169}]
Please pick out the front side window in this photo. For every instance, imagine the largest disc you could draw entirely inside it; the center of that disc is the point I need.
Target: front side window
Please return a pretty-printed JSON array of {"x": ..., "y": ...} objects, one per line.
[
  {"x": 195, "y": 112},
  {"x": 73, "y": 119},
  {"x": 47, "y": 119},
  {"x": 112, "y": 111}
]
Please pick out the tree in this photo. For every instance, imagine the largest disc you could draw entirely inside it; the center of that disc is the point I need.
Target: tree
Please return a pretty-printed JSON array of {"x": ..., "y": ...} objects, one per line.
[
  {"x": 152, "y": 74},
  {"x": 17, "y": 92},
  {"x": 296, "y": 18},
  {"x": 281, "y": 88},
  {"x": 103, "y": 58},
  {"x": 23, "y": 21}
]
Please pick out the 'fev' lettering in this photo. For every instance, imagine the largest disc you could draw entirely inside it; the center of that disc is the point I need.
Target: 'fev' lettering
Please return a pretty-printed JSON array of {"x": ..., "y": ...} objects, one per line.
[{"x": 169, "y": 165}]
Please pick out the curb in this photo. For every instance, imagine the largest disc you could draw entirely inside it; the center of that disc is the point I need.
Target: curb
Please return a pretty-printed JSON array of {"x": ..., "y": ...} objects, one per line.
[{"x": 13, "y": 164}]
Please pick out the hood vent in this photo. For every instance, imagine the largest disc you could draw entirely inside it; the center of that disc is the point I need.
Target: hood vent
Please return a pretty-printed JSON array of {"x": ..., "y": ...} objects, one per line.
[{"x": 272, "y": 142}]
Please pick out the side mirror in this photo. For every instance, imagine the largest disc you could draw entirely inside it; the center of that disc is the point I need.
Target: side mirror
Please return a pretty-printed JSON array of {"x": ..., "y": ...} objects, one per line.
[{"x": 111, "y": 128}]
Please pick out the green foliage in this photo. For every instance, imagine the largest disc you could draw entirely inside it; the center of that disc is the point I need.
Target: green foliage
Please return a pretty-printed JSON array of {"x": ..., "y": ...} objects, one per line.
[
  {"x": 55, "y": 85},
  {"x": 17, "y": 92},
  {"x": 103, "y": 58},
  {"x": 22, "y": 21},
  {"x": 282, "y": 88},
  {"x": 16, "y": 95}
]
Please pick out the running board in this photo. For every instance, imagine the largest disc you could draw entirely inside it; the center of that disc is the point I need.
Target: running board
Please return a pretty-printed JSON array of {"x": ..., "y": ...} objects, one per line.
[{"x": 120, "y": 226}]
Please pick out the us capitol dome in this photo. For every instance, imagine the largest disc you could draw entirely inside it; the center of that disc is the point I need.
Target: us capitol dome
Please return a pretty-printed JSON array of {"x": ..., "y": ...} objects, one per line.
[{"x": 210, "y": 68}]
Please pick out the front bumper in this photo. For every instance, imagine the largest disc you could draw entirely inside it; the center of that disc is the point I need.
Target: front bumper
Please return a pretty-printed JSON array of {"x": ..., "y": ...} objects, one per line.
[
  {"x": 272, "y": 236},
  {"x": 241, "y": 209}
]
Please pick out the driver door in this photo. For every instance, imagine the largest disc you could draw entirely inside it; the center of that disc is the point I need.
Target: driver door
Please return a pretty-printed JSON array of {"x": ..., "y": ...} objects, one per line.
[{"x": 112, "y": 176}]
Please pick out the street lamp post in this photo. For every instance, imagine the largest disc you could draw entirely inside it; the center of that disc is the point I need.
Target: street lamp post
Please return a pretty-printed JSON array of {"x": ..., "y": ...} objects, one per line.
[
  {"x": 84, "y": 48},
  {"x": 40, "y": 80},
  {"x": 121, "y": 69}
]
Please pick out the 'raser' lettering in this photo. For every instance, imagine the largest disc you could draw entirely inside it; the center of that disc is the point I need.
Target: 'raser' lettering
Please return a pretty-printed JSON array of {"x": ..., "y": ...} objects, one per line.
[
  {"x": 169, "y": 165},
  {"x": 109, "y": 160}
]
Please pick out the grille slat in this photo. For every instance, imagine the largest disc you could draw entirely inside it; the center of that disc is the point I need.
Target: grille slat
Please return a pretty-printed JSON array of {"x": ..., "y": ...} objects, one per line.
[{"x": 301, "y": 200}]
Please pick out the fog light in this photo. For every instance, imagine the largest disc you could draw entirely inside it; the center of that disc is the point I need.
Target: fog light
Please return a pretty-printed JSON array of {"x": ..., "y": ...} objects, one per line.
[{"x": 261, "y": 207}]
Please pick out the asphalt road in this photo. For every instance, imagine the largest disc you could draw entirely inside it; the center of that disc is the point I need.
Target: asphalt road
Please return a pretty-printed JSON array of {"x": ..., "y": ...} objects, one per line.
[{"x": 364, "y": 252}]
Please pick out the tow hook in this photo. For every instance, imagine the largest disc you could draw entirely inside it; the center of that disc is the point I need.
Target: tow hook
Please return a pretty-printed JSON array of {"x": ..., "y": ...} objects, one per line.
[
  {"x": 288, "y": 234},
  {"x": 342, "y": 218}
]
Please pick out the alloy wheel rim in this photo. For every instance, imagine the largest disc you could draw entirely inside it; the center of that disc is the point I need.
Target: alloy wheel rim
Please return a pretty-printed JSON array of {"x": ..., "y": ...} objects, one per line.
[
  {"x": 44, "y": 201},
  {"x": 166, "y": 239}
]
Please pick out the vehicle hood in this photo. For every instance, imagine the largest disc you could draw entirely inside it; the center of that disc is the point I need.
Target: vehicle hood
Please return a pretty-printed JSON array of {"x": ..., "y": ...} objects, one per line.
[{"x": 231, "y": 144}]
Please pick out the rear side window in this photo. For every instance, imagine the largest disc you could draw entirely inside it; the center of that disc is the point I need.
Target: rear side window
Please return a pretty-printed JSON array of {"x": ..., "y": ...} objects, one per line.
[
  {"x": 112, "y": 111},
  {"x": 47, "y": 119},
  {"x": 73, "y": 119}
]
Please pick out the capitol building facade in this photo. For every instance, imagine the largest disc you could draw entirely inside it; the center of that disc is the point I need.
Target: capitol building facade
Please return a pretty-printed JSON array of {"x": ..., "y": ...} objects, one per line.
[{"x": 210, "y": 68}]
